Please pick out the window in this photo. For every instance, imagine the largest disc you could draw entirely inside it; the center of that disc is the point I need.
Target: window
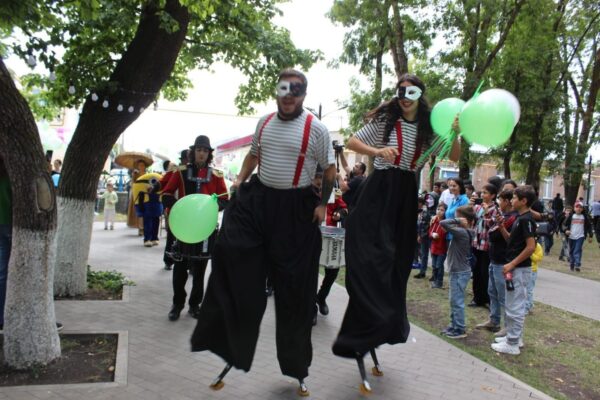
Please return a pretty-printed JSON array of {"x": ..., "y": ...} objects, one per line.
[{"x": 547, "y": 188}]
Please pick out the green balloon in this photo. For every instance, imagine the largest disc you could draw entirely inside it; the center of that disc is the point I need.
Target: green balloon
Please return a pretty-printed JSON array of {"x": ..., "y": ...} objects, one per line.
[
  {"x": 443, "y": 114},
  {"x": 486, "y": 121},
  {"x": 193, "y": 218}
]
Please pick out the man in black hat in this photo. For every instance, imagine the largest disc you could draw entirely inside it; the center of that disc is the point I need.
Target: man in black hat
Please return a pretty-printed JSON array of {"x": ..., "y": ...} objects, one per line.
[
  {"x": 271, "y": 227},
  {"x": 196, "y": 177}
]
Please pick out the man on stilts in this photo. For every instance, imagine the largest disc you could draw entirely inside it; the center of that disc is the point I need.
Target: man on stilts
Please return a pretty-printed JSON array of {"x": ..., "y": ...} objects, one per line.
[{"x": 271, "y": 226}]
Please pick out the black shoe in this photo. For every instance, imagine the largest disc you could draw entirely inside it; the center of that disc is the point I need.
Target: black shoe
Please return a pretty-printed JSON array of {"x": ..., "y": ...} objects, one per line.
[
  {"x": 431, "y": 279},
  {"x": 194, "y": 311},
  {"x": 168, "y": 267},
  {"x": 561, "y": 258},
  {"x": 572, "y": 268},
  {"x": 323, "y": 308},
  {"x": 174, "y": 313},
  {"x": 472, "y": 304},
  {"x": 420, "y": 275},
  {"x": 269, "y": 291},
  {"x": 577, "y": 269}
]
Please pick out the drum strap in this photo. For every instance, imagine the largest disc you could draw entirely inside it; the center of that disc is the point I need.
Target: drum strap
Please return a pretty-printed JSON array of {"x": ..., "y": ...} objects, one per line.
[{"x": 301, "y": 156}]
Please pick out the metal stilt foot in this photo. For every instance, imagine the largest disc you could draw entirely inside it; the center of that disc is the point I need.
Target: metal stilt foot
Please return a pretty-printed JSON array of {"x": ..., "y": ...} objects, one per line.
[
  {"x": 303, "y": 389},
  {"x": 218, "y": 383},
  {"x": 376, "y": 370},
  {"x": 364, "y": 387}
]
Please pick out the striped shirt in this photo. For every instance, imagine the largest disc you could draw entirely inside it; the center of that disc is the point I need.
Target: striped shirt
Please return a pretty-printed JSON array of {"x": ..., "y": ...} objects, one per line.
[
  {"x": 372, "y": 134},
  {"x": 280, "y": 147}
]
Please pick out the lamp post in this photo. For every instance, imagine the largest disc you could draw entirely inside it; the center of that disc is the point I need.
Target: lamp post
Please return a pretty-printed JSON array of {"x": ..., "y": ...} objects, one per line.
[{"x": 589, "y": 181}]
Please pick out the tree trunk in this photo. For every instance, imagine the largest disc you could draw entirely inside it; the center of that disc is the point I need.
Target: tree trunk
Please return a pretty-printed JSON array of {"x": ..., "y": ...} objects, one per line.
[
  {"x": 138, "y": 77},
  {"x": 30, "y": 335},
  {"x": 397, "y": 42}
]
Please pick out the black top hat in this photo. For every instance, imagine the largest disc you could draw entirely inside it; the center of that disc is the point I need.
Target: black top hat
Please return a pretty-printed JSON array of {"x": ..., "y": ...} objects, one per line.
[{"x": 202, "y": 141}]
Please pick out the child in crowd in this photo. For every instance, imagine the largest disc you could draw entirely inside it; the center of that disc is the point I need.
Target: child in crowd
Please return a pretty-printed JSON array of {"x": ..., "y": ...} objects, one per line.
[
  {"x": 459, "y": 254},
  {"x": 562, "y": 219},
  {"x": 578, "y": 226},
  {"x": 423, "y": 221},
  {"x": 536, "y": 258},
  {"x": 517, "y": 272},
  {"x": 110, "y": 201},
  {"x": 439, "y": 247},
  {"x": 497, "y": 252}
]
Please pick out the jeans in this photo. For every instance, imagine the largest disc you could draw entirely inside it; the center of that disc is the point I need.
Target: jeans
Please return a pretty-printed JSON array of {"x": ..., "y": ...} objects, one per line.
[
  {"x": 151, "y": 225},
  {"x": 548, "y": 243},
  {"x": 564, "y": 250},
  {"x": 458, "y": 285},
  {"x": 424, "y": 253},
  {"x": 496, "y": 291},
  {"x": 5, "y": 244},
  {"x": 575, "y": 251},
  {"x": 516, "y": 301},
  {"x": 530, "y": 288},
  {"x": 437, "y": 265}
]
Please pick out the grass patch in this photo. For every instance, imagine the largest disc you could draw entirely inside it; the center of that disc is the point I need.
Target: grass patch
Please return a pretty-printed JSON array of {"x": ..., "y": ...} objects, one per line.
[
  {"x": 562, "y": 351},
  {"x": 590, "y": 267},
  {"x": 110, "y": 281}
]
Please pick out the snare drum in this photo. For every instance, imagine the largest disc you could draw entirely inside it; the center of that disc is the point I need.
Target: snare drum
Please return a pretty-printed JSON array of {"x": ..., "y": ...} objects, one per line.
[{"x": 332, "y": 250}]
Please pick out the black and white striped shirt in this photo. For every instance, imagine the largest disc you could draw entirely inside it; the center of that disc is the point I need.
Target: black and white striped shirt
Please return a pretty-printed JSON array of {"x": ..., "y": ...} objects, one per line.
[
  {"x": 372, "y": 134},
  {"x": 281, "y": 143}
]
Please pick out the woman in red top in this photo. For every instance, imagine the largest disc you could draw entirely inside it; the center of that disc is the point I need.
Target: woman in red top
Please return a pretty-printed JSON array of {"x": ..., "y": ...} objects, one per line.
[{"x": 439, "y": 247}]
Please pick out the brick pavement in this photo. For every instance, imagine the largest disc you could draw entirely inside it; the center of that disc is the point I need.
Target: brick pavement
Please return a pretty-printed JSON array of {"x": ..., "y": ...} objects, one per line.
[{"x": 161, "y": 366}]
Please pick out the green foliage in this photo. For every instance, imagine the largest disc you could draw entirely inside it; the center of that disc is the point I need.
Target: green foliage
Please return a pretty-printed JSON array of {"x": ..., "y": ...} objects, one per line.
[
  {"x": 112, "y": 281},
  {"x": 83, "y": 42}
]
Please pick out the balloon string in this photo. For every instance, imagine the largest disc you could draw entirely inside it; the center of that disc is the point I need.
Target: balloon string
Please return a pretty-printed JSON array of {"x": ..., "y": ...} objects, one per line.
[{"x": 478, "y": 89}]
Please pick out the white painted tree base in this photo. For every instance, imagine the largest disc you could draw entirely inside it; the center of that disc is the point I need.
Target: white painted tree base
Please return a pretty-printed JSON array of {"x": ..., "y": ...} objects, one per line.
[
  {"x": 75, "y": 221},
  {"x": 30, "y": 335}
]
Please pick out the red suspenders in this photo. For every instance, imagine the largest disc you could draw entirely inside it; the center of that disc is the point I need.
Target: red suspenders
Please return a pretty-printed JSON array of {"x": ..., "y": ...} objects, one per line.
[
  {"x": 301, "y": 156},
  {"x": 418, "y": 146}
]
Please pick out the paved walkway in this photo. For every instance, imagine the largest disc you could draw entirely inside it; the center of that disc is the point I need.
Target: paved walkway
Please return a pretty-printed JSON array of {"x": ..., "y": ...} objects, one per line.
[
  {"x": 161, "y": 366},
  {"x": 571, "y": 293}
]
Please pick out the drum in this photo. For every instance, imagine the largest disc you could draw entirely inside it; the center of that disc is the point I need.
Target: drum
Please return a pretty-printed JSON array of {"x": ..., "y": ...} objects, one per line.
[
  {"x": 194, "y": 251},
  {"x": 332, "y": 250}
]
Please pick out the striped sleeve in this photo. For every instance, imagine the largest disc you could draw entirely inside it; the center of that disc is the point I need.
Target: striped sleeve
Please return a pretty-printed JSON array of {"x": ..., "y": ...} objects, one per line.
[
  {"x": 323, "y": 148},
  {"x": 370, "y": 134}
]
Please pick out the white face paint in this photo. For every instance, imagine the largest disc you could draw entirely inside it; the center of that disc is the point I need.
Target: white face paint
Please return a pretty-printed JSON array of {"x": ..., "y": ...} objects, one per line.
[
  {"x": 409, "y": 92},
  {"x": 296, "y": 89}
]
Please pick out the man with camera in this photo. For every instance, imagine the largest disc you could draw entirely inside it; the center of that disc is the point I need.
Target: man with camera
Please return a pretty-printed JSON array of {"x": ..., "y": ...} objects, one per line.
[{"x": 355, "y": 176}]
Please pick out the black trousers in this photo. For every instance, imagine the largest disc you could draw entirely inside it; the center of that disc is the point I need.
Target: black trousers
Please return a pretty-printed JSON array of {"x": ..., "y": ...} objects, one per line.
[
  {"x": 328, "y": 280},
  {"x": 381, "y": 234},
  {"x": 481, "y": 277},
  {"x": 168, "y": 260},
  {"x": 197, "y": 269},
  {"x": 264, "y": 230}
]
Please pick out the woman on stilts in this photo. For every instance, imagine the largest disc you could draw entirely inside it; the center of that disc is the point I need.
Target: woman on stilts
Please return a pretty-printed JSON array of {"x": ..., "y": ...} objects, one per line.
[{"x": 381, "y": 231}]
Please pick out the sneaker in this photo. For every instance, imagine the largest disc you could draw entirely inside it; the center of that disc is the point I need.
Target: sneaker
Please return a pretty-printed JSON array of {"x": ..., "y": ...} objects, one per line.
[
  {"x": 167, "y": 267},
  {"x": 147, "y": 243},
  {"x": 502, "y": 339},
  {"x": 500, "y": 333},
  {"x": 431, "y": 279},
  {"x": 577, "y": 269},
  {"x": 456, "y": 334},
  {"x": 435, "y": 285},
  {"x": 155, "y": 243},
  {"x": 561, "y": 258},
  {"x": 420, "y": 275},
  {"x": 506, "y": 348},
  {"x": 446, "y": 330},
  {"x": 572, "y": 268},
  {"x": 112, "y": 228},
  {"x": 489, "y": 325},
  {"x": 106, "y": 228},
  {"x": 59, "y": 326}
]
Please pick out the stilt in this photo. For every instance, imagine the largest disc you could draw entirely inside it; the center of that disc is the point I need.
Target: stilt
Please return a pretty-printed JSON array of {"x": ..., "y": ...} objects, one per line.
[
  {"x": 377, "y": 371},
  {"x": 302, "y": 389},
  {"x": 364, "y": 388},
  {"x": 218, "y": 383}
]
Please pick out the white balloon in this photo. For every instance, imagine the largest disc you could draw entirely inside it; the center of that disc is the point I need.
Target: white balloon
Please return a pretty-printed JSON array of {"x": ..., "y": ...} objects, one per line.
[{"x": 506, "y": 97}]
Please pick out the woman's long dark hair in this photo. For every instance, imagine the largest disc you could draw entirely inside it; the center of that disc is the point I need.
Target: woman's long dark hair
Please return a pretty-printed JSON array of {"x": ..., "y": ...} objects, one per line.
[{"x": 391, "y": 111}]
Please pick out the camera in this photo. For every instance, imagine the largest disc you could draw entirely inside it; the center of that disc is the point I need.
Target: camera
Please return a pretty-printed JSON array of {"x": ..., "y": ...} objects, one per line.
[
  {"x": 478, "y": 201},
  {"x": 338, "y": 148}
]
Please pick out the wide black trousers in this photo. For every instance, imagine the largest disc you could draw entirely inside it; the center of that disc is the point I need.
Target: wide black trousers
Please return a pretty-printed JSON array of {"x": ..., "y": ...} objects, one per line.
[
  {"x": 381, "y": 235},
  {"x": 264, "y": 230},
  {"x": 481, "y": 277}
]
